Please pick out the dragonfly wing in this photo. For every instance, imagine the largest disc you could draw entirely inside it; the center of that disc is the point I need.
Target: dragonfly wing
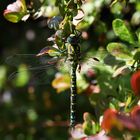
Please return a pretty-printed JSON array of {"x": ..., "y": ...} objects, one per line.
[
  {"x": 89, "y": 63},
  {"x": 31, "y": 60},
  {"x": 43, "y": 77},
  {"x": 64, "y": 65},
  {"x": 38, "y": 66},
  {"x": 37, "y": 76}
]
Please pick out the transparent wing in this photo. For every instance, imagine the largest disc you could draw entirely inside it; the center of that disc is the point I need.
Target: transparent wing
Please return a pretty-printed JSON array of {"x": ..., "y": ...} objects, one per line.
[
  {"x": 43, "y": 76},
  {"x": 40, "y": 67},
  {"x": 88, "y": 63},
  {"x": 31, "y": 60},
  {"x": 37, "y": 76}
]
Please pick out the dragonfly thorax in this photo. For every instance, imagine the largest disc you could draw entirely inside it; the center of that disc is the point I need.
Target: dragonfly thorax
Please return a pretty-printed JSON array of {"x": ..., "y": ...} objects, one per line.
[{"x": 73, "y": 40}]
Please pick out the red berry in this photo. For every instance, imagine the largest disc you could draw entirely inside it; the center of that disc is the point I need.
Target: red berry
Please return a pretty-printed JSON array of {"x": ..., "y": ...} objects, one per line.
[{"x": 135, "y": 82}]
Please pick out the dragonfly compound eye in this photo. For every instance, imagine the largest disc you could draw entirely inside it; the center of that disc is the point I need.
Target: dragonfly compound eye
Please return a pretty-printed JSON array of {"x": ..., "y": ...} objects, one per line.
[{"x": 73, "y": 39}]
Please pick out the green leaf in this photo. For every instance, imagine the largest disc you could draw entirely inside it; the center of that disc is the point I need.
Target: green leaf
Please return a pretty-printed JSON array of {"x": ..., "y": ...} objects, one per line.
[
  {"x": 81, "y": 83},
  {"x": 13, "y": 17},
  {"x": 122, "y": 1},
  {"x": 119, "y": 50},
  {"x": 138, "y": 35},
  {"x": 61, "y": 83},
  {"x": 128, "y": 101},
  {"x": 15, "y": 11},
  {"x": 137, "y": 56},
  {"x": 87, "y": 125},
  {"x": 122, "y": 31},
  {"x": 24, "y": 8},
  {"x": 123, "y": 70}
]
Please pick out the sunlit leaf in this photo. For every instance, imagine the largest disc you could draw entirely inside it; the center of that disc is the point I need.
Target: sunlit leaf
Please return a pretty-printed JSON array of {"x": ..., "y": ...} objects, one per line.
[
  {"x": 128, "y": 101},
  {"x": 16, "y": 11},
  {"x": 117, "y": 8},
  {"x": 85, "y": 23},
  {"x": 66, "y": 26},
  {"x": 119, "y": 50},
  {"x": 135, "y": 20},
  {"x": 122, "y": 1},
  {"x": 122, "y": 71},
  {"x": 88, "y": 124},
  {"x": 138, "y": 37},
  {"x": 137, "y": 56},
  {"x": 61, "y": 83},
  {"x": 81, "y": 83},
  {"x": 48, "y": 11},
  {"x": 114, "y": 2},
  {"x": 13, "y": 17},
  {"x": 78, "y": 18},
  {"x": 123, "y": 31}
]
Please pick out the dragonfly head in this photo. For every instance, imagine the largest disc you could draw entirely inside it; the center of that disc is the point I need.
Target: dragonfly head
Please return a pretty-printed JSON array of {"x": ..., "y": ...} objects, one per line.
[{"x": 73, "y": 39}]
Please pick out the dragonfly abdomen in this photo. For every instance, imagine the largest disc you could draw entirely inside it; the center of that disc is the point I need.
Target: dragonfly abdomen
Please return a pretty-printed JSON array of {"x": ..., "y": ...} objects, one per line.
[
  {"x": 73, "y": 94},
  {"x": 73, "y": 58}
]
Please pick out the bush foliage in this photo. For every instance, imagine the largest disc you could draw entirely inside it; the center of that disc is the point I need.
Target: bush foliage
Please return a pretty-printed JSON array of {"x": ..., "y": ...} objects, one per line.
[{"x": 34, "y": 102}]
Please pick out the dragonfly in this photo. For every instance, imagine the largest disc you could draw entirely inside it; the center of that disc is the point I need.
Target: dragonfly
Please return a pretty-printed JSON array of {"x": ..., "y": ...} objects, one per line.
[
  {"x": 51, "y": 57},
  {"x": 47, "y": 58}
]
